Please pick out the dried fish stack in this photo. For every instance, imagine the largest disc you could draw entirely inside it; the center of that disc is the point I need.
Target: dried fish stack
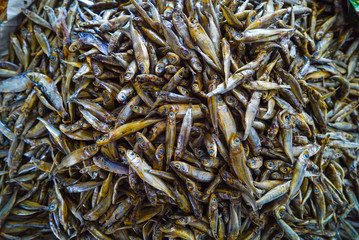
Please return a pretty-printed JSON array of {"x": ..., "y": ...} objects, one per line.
[{"x": 180, "y": 120}]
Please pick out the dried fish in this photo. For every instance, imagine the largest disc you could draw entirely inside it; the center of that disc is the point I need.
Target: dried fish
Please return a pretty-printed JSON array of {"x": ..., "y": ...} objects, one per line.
[{"x": 180, "y": 120}]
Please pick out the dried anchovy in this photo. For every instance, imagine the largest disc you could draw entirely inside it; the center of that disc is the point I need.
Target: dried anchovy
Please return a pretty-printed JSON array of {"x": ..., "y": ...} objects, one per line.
[{"x": 180, "y": 119}]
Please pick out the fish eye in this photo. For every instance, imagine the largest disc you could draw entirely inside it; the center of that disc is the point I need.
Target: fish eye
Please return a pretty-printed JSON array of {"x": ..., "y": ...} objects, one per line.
[
  {"x": 161, "y": 151},
  {"x": 159, "y": 68},
  {"x": 123, "y": 97},
  {"x": 52, "y": 207},
  {"x": 197, "y": 65},
  {"x": 253, "y": 162},
  {"x": 172, "y": 59},
  {"x": 140, "y": 139},
  {"x": 306, "y": 155},
  {"x": 171, "y": 114},
  {"x": 93, "y": 148},
  {"x": 135, "y": 108},
  {"x": 287, "y": 118},
  {"x": 150, "y": 47},
  {"x": 185, "y": 53},
  {"x": 189, "y": 184},
  {"x": 122, "y": 152},
  {"x": 230, "y": 99},
  {"x": 131, "y": 154},
  {"x": 164, "y": 111},
  {"x": 237, "y": 140},
  {"x": 102, "y": 138},
  {"x": 176, "y": 16},
  {"x": 141, "y": 68},
  {"x": 253, "y": 17},
  {"x": 214, "y": 199},
  {"x": 200, "y": 152},
  {"x": 281, "y": 212},
  {"x": 180, "y": 74},
  {"x": 52, "y": 58},
  {"x": 115, "y": 115},
  {"x": 128, "y": 75},
  {"x": 210, "y": 152}
]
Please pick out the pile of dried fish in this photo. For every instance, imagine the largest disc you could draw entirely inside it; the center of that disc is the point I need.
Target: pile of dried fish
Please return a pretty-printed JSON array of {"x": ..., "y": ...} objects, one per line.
[{"x": 180, "y": 120}]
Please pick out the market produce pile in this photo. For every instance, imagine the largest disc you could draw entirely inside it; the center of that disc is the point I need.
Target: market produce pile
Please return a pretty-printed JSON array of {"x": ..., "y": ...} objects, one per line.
[{"x": 180, "y": 120}]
